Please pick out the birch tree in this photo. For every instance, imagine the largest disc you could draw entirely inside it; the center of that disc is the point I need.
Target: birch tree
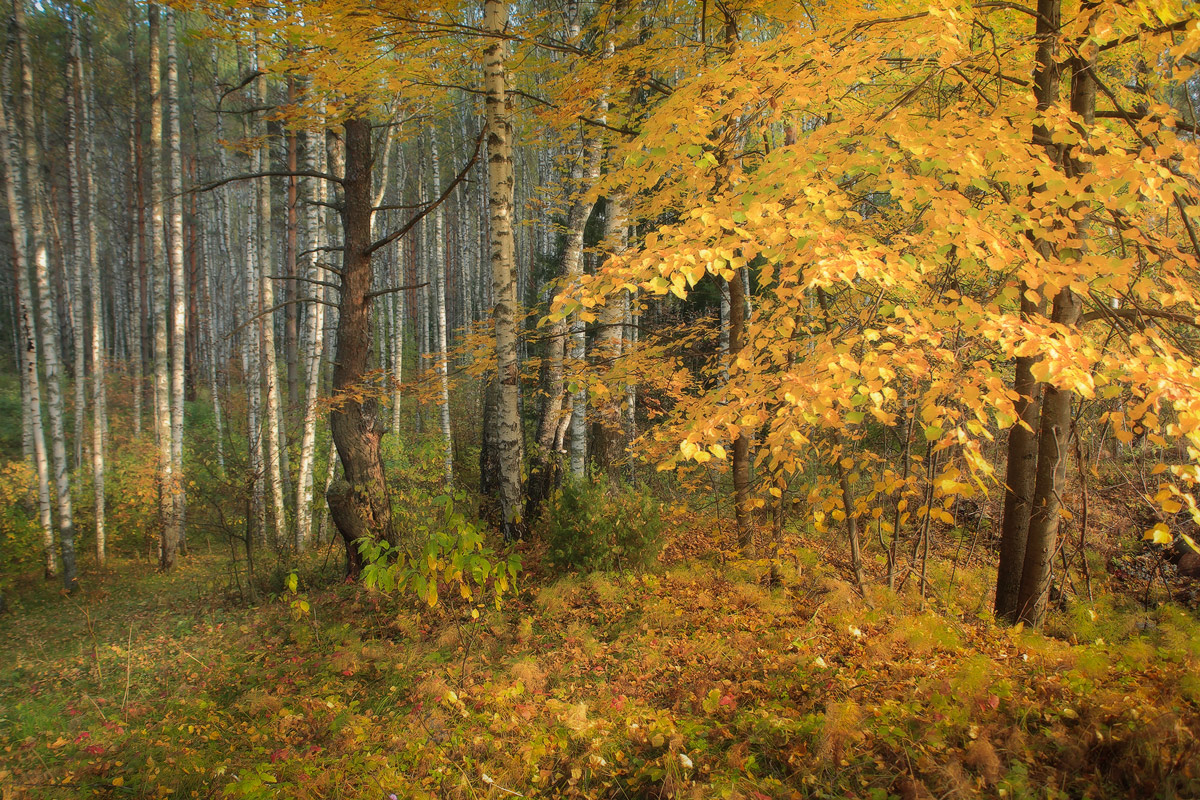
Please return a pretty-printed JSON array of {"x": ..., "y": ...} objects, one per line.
[
  {"x": 504, "y": 290},
  {"x": 160, "y": 268},
  {"x": 95, "y": 303},
  {"x": 178, "y": 285},
  {"x": 48, "y": 330},
  {"x": 27, "y": 336},
  {"x": 314, "y": 337},
  {"x": 439, "y": 287}
]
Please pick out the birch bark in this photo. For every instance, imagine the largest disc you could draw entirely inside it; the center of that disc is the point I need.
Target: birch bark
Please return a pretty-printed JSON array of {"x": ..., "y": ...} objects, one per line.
[
  {"x": 439, "y": 287},
  {"x": 178, "y": 285},
  {"x": 27, "y": 336},
  {"x": 48, "y": 328},
  {"x": 500, "y": 193}
]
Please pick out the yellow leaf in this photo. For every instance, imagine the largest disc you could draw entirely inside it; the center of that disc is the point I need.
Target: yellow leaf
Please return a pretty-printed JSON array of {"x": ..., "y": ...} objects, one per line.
[
  {"x": 717, "y": 451},
  {"x": 1159, "y": 534}
]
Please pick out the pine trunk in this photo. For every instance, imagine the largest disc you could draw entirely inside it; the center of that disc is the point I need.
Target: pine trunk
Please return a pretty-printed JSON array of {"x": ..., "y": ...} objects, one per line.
[{"x": 359, "y": 502}]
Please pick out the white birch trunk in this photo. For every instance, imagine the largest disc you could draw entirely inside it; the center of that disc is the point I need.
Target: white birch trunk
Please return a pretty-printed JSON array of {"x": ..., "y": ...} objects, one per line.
[
  {"x": 169, "y": 542},
  {"x": 439, "y": 287},
  {"x": 48, "y": 328},
  {"x": 500, "y": 191},
  {"x": 178, "y": 296},
  {"x": 271, "y": 411},
  {"x": 27, "y": 337},
  {"x": 77, "y": 254},
  {"x": 314, "y": 340},
  {"x": 135, "y": 313},
  {"x": 96, "y": 304}
]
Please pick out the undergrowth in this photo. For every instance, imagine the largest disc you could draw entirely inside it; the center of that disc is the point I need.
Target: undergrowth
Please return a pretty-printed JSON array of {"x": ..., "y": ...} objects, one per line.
[{"x": 694, "y": 680}]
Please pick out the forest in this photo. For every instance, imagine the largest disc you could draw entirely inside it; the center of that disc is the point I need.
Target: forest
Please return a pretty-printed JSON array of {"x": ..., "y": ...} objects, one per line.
[{"x": 743, "y": 399}]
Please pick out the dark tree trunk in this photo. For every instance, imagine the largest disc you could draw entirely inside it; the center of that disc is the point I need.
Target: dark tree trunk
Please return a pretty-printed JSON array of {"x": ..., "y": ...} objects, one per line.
[
  {"x": 291, "y": 314},
  {"x": 741, "y": 444},
  {"x": 358, "y": 503},
  {"x": 1055, "y": 431},
  {"x": 489, "y": 451},
  {"x": 1020, "y": 478}
]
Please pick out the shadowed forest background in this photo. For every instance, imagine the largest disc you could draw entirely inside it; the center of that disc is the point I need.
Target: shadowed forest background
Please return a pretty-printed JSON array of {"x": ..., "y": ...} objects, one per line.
[{"x": 614, "y": 399}]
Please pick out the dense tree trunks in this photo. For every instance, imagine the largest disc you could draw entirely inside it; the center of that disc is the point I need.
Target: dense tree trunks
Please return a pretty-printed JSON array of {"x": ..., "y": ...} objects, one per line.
[
  {"x": 266, "y": 324},
  {"x": 606, "y": 426},
  {"x": 178, "y": 281},
  {"x": 358, "y": 502},
  {"x": 439, "y": 287},
  {"x": 557, "y": 417},
  {"x": 27, "y": 337},
  {"x": 313, "y": 343},
  {"x": 47, "y": 329},
  {"x": 504, "y": 290},
  {"x": 1055, "y": 430}
]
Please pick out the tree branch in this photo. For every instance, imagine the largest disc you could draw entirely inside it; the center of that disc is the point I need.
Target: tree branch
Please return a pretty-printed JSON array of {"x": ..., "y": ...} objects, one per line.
[
  {"x": 282, "y": 173},
  {"x": 394, "y": 289},
  {"x": 391, "y": 237}
]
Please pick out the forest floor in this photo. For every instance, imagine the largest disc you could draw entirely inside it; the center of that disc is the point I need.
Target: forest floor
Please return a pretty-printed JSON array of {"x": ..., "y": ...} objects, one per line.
[{"x": 697, "y": 679}]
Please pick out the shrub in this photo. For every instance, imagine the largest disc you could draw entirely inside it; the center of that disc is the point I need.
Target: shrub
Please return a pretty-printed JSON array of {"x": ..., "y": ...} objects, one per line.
[
  {"x": 603, "y": 525},
  {"x": 20, "y": 533}
]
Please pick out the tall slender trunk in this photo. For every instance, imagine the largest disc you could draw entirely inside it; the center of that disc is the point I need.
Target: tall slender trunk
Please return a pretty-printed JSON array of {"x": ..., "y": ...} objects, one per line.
[
  {"x": 504, "y": 290},
  {"x": 136, "y": 321},
  {"x": 178, "y": 286},
  {"x": 291, "y": 312},
  {"x": 398, "y": 344},
  {"x": 359, "y": 502},
  {"x": 169, "y": 542},
  {"x": 27, "y": 335},
  {"x": 314, "y": 341},
  {"x": 96, "y": 308},
  {"x": 48, "y": 328},
  {"x": 439, "y": 288},
  {"x": 78, "y": 243},
  {"x": 271, "y": 410}
]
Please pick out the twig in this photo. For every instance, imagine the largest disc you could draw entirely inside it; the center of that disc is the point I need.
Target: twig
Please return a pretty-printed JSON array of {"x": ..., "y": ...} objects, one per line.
[{"x": 128, "y": 670}]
